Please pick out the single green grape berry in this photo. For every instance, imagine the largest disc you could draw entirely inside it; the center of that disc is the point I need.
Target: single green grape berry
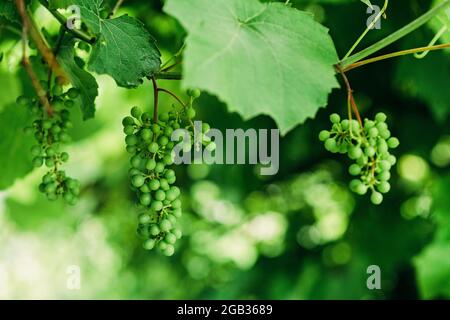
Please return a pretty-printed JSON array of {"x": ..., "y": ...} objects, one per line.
[
  {"x": 128, "y": 121},
  {"x": 177, "y": 232},
  {"x": 153, "y": 147},
  {"x": 164, "y": 117},
  {"x": 47, "y": 124},
  {"x": 160, "y": 195},
  {"x": 154, "y": 184},
  {"x": 128, "y": 130},
  {"x": 169, "y": 251},
  {"x": 205, "y": 127},
  {"x": 156, "y": 206},
  {"x": 380, "y": 117},
  {"x": 163, "y": 140},
  {"x": 73, "y": 93},
  {"x": 354, "y": 184},
  {"x": 355, "y": 152},
  {"x": 64, "y": 157},
  {"x": 164, "y": 184},
  {"x": 136, "y": 161},
  {"x": 384, "y": 187},
  {"x": 36, "y": 151},
  {"x": 190, "y": 113},
  {"x": 145, "y": 189},
  {"x": 50, "y": 152},
  {"x": 177, "y": 213},
  {"x": 385, "y": 134},
  {"x": 146, "y": 134},
  {"x": 162, "y": 245},
  {"x": 361, "y": 189},
  {"x": 57, "y": 90},
  {"x": 393, "y": 143},
  {"x": 385, "y": 165},
  {"x": 154, "y": 230},
  {"x": 165, "y": 225},
  {"x": 368, "y": 124},
  {"x": 362, "y": 161},
  {"x": 159, "y": 167},
  {"x": 146, "y": 117},
  {"x": 172, "y": 219},
  {"x": 149, "y": 244},
  {"x": 392, "y": 159},
  {"x": 376, "y": 198},
  {"x": 384, "y": 176},
  {"x": 151, "y": 164},
  {"x": 156, "y": 128},
  {"x": 138, "y": 181},
  {"x": 144, "y": 218},
  {"x": 194, "y": 93},
  {"x": 170, "y": 238},
  {"x": 169, "y": 173},
  {"x": 136, "y": 112},
  {"x": 382, "y": 127},
  {"x": 354, "y": 169},
  {"x": 131, "y": 140},
  {"x": 131, "y": 149},
  {"x": 345, "y": 124},
  {"x": 167, "y": 160},
  {"x": 23, "y": 101},
  {"x": 335, "y": 118},
  {"x": 331, "y": 145},
  {"x": 176, "y": 204},
  {"x": 373, "y": 132},
  {"x": 168, "y": 132},
  {"x": 324, "y": 135},
  {"x": 145, "y": 199},
  {"x": 49, "y": 162}
]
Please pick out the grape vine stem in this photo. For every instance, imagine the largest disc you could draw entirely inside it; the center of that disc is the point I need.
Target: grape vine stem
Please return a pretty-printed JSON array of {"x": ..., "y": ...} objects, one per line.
[
  {"x": 155, "y": 100},
  {"x": 350, "y": 97},
  {"x": 26, "y": 61}
]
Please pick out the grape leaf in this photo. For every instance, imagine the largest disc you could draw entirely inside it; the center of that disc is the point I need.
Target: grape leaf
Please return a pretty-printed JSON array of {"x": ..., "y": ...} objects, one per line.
[
  {"x": 9, "y": 12},
  {"x": 124, "y": 48},
  {"x": 15, "y": 146},
  {"x": 258, "y": 58},
  {"x": 80, "y": 79}
]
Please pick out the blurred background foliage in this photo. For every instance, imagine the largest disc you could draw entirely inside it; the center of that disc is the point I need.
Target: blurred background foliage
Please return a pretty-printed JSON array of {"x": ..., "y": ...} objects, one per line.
[{"x": 298, "y": 235}]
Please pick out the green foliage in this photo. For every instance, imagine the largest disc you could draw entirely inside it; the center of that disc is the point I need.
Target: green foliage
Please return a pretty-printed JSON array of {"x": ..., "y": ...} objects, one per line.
[
  {"x": 9, "y": 12},
  {"x": 81, "y": 79},
  {"x": 124, "y": 49},
  {"x": 271, "y": 46}
]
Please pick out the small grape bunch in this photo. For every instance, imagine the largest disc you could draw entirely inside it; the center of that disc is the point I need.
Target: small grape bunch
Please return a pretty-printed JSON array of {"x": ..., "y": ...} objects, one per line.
[
  {"x": 51, "y": 133},
  {"x": 152, "y": 178},
  {"x": 369, "y": 147}
]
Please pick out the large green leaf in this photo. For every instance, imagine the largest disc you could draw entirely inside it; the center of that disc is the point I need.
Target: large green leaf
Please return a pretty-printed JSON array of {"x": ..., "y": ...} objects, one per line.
[
  {"x": 258, "y": 58},
  {"x": 80, "y": 79},
  {"x": 15, "y": 159},
  {"x": 124, "y": 48}
]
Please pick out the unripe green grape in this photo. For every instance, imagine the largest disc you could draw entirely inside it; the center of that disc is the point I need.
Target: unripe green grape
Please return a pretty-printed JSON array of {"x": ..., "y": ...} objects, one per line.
[
  {"x": 57, "y": 90},
  {"x": 373, "y": 132},
  {"x": 47, "y": 124},
  {"x": 23, "y": 101},
  {"x": 154, "y": 230},
  {"x": 361, "y": 189},
  {"x": 128, "y": 121},
  {"x": 206, "y": 127},
  {"x": 355, "y": 152},
  {"x": 160, "y": 195},
  {"x": 49, "y": 162},
  {"x": 385, "y": 165},
  {"x": 170, "y": 238},
  {"x": 384, "y": 176},
  {"x": 165, "y": 225},
  {"x": 164, "y": 184},
  {"x": 131, "y": 149},
  {"x": 50, "y": 152},
  {"x": 354, "y": 184},
  {"x": 153, "y": 147},
  {"x": 156, "y": 206},
  {"x": 64, "y": 157},
  {"x": 177, "y": 213},
  {"x": 382, "y": 127},
  {"x": 355, "y": 126},
  {"x": 131, "y": 140},
  {"x": 368, "y": 124},
  {"x": 345, "y": 124},
  {"x": 167, "y": 160},
  {"x": 128, "y": 130},
  {"x": 324, "y": 135},
  {"x": 146, "y": 117},
  {"x": 331, "y": 145},
  {"x": 156, "y": 128},
  {"x": 354, "y": 169},
  {"x": 73, "y": 93},
  {"x": 149, "y": 244},
  {"x": 144, "y": 218},
  {"x": 151, "y": 164},
  {"x": 335, "y": 118},
  {"x": 163, "y": 140},
  {"x": 164, "y": 117},
  {"x": 154, "y": 184},
  {"x": 385, "y": 134},
  {"x": 168, "y": 132},
  {"x": 392, "y": 159},
  {"x": 136, "y": 112},
  {"x": 393, "y": 143},
  {"x": 382, "y": 146},
  {"x": 177, "y": 232},
  {"x": 376, "y": 198},
  {"x": 159, "y": 167},
  {"x": 169, "y": 251},
  {"x": 194, "y": 93},
  {"x": 162, "y": 245},
  {"x": 380, "y": 117},
  {"x": 169, "y": 173},
  {"x": 172, "y": 219},
  {"x": 190, "y": 113},
  {"x": 384, "y": 187},
  {"x": 172, "y": 180},
  {"x": 136, "y": 161},
  {"x": 69, "y": 104},
  {"x": 176, "y": 204},
  {"x": 138, "y": 181},
  {"x": 146, "y": 134},
  {"x": 145, "y": 189},
  {"x": 145, "y": 199},
  {"x": 56, "y": 129},
  {"x": 36, "y": 151}
]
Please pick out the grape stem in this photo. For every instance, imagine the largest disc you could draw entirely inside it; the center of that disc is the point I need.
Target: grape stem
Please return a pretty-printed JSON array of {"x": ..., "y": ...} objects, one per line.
[
  {"x": 350, "y": 97},
  {"x": 173, "y": 95},
  {"x": 116, "y": 8},
  {"x": 155, "y": 100},
  {"x": 62, "y": 33},
  {"x": 26, "y": 62}
]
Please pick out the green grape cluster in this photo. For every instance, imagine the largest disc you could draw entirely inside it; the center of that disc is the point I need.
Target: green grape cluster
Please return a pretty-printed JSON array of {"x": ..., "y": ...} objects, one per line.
[
  {"x": 51, "y": 133},
  {"x": 152, "y": 177},
  {"x": 369, "y": 147}
]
